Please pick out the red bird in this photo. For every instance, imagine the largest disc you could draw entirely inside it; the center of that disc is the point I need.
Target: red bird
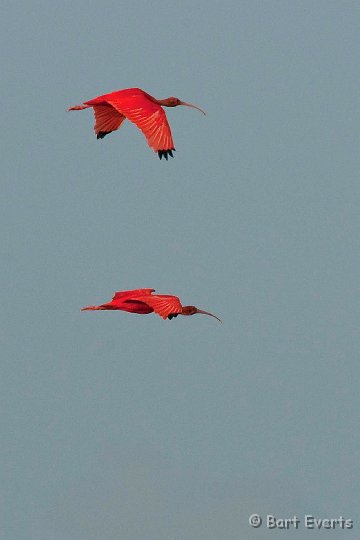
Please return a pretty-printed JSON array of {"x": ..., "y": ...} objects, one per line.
[
  {"x": 143, "y": 301},
  {"x": 139, "y": 107}
]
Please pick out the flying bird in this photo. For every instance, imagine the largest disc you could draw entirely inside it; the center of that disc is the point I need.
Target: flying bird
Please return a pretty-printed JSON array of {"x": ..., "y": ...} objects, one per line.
[
  {"x": 143, "y": 301},
  {"x": 140, "y": 108}
]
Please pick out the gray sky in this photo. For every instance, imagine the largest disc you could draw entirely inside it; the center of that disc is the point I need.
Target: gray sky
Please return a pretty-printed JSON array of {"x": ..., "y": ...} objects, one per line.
[{"x": 125, "y": 426}]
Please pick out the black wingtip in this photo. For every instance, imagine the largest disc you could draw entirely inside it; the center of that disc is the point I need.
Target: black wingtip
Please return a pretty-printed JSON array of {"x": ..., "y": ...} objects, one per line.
[
  {"x": 102, "y": 134},
  {"x": 166, "y": 153}
]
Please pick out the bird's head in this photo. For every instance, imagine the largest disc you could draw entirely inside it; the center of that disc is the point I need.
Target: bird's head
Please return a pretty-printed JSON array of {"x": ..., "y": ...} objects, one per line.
[
  {"x": 191, "y": 310},
  {"x": 174, "y": 102}
]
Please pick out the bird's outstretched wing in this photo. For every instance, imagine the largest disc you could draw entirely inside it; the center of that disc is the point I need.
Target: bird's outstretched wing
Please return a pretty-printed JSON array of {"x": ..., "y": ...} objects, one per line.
[
  {"x": 134, "y": 294},
  {"x": 107, "y": 119},
  {"x": 164, "y": 305},
  {"x": 150, "y": 118}
]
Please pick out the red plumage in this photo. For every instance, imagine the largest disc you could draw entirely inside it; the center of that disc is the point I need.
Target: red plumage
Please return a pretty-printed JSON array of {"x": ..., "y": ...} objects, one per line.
[
  {"x": 143, "y": 301},
  {"x": 142, "y": 109}
]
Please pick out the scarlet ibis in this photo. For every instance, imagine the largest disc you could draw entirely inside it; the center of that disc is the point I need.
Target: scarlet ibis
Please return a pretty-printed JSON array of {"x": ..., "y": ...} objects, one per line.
[
  {"x": 143, "y": 301},
  {"x": 140, "y": 108}
]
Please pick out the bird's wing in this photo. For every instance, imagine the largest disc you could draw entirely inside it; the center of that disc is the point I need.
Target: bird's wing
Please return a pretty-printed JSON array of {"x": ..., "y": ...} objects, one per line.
[
  {"x": 163, "y": 305},
  {"x": 150, "y": 118},
  {"x": 133, "y": 294},
  {"x": 107, "y": 119}
]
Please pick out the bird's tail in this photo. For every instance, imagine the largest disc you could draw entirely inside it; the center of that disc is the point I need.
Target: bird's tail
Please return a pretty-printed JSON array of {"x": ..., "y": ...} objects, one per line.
[{"x": 78, "y": 108}]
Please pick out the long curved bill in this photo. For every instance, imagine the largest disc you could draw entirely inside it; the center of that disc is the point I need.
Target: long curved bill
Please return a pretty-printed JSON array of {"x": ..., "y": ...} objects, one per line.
[
  {"x": 207, "y": 313},
  {"x": 193, "y": 106}
]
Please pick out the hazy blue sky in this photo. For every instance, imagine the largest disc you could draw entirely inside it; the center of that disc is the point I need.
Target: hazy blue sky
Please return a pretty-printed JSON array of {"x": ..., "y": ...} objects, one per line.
[{"x": 121, "y": 426}]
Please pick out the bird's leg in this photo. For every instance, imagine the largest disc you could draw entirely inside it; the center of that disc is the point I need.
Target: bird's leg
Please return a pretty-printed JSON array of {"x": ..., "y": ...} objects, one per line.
[{"x": 78, "y": 107}]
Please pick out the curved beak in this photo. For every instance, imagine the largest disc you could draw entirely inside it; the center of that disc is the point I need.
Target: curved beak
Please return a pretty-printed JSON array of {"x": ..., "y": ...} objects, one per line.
[
  {"x": 207, "y": 313},
  {"x": 193, "y": 106}
]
